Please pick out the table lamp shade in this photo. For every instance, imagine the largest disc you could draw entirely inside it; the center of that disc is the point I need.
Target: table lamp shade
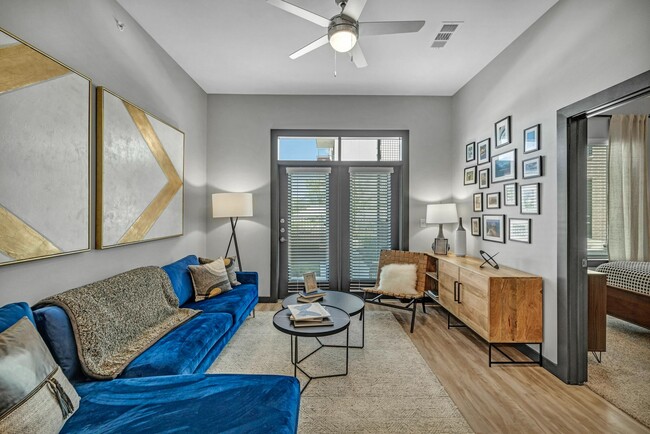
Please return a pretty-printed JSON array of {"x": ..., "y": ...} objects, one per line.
[
  {"x": 232, "y": 205},
  {"x": 442, "y": 213}
]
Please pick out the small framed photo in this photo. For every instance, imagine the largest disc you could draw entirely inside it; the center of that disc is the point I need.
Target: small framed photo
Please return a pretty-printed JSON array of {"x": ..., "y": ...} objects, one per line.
[
  {"x": 483, "y": 151},
  {"x": 470, "y": 152},
  {"x": 484, "y": 178},
  {"x": 310, "y": 282},
  {"x": 441, "y": 246},
  {"x": 531, "y": 139},
  {"x": 493, "y": 200},
  {"x": 502, "y": 132},
  {"x": 494, "y": 228},
  {"x": 519, "y": 230},
  {"x": 470, "y": 175},
  {"x": 529, "y": 198},
  {"x": 504, "y": 166},
  {"x": 510, "y": 194},
  {"x": 531, "y": 168},
  {"x": 476, "y": 226},
  {"x": 477, "y": 200}
]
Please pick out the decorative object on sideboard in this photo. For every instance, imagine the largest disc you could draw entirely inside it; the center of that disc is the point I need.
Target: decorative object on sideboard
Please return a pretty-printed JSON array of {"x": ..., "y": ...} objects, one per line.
[
  {"x": 504, "y": 166},
  {"x": 493, "y": 200},
  {"x": 483, "y": 151},
  {"x": 494, "y": 228},
  {"x": 510, "y": 194},
  {"x": 139, "y": 174},
  {"x": 488, "y": 259},
  {"x": 519, "y": 230},
  {"x": 441, "y": 213},
  {"x": 470, "y": 152},
  {"x": 460, "y": 239},
  {"x": 45, "y": 162},
  {"x": 476, "y": 226},
  {"x": 469, "y": 175},
  {"x": 529, "y": 198},
  {"x": 502, "y": 132},
  {"x": 484, "y": 178},
  {"x": 531, "y": 168},
  {"x": 233, "y": 206},
  {"x": 477, "y": 201},
  {"x": 531, "y": 139}
]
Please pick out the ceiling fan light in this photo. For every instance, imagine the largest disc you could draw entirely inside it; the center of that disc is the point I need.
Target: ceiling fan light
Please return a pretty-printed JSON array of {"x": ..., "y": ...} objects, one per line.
[{"x": 343, "y": 41}]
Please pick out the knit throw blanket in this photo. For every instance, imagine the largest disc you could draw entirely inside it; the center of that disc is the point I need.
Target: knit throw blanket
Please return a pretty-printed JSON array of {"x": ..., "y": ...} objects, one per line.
[{"x": 116, "y": 319}]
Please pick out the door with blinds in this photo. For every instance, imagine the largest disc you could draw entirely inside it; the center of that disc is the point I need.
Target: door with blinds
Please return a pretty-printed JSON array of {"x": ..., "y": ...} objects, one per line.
[{"x": 334, "y": 221}]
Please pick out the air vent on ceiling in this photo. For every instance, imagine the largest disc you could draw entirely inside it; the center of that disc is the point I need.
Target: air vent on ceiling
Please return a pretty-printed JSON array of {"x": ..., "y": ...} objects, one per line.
[{"x": 445, "y": 33}]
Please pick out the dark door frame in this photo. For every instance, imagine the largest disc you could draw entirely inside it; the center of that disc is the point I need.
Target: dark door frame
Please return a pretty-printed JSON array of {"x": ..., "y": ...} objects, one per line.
[{"x": 572, "y": 223}]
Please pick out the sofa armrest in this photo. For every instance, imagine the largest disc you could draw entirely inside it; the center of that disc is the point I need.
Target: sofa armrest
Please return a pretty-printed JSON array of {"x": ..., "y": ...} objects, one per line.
[{"x": 249, "y": 277}]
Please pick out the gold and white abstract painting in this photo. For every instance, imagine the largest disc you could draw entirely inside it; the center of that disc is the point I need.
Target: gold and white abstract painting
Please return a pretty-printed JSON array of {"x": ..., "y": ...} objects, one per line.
[
  {"x": 139, "y": 174},
  {"x": 44, "y": 155}
]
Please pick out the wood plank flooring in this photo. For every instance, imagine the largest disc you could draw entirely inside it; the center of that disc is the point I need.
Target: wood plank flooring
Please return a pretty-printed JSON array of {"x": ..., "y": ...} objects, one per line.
[{"x": 504, "y": 399}]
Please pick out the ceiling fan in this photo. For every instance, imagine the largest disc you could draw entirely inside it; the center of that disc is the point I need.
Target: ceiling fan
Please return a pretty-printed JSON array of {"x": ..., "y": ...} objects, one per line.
[{"x": 344, "y": 29}]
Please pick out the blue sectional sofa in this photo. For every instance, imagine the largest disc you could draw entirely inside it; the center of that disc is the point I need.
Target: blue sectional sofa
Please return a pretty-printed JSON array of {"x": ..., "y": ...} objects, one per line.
[{"x": 165, "y": 389}]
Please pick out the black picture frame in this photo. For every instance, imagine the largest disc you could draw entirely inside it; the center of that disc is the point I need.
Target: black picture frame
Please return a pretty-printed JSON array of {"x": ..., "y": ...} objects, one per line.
[
  {"x": 470, "y": 152},
  {"x": 502, "y": 132},
  {"x": 484, "y": 178},
  {"x": 504, "y": 166},
  {"x": 475, "y": 226},
  {"x": 521, "y": 230},
  {"x": 494, "y": 228},
  {"x": 493, "y": 200},
  {"x": 510, "y": 194},
  {"x": 469, "y": 175},
  {"x": 483, "y": 151},
  {"x": 477, "y": 202},
  {"x": 532, "y": 138},
  {"x": 529, "y": 202},
  {"x": 531, "y": 167}
]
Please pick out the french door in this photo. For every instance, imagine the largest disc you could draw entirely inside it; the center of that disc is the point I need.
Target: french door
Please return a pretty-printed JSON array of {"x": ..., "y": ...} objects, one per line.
[{"x": 333, "y": 220}]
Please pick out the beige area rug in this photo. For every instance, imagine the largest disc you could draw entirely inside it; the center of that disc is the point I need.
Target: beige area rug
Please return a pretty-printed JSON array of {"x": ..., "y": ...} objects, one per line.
[
  {"x": 389, "y": 388},
  {"x": 623, "y": 377}
]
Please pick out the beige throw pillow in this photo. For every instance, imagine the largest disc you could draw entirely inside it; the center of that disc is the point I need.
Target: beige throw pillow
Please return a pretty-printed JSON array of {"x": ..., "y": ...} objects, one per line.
[
  {"x": 209, "y": 280},
  {"x": 398, "y": 278},
  {"x": 229, "y": 262},
  {"x": 35, "y": 396}
]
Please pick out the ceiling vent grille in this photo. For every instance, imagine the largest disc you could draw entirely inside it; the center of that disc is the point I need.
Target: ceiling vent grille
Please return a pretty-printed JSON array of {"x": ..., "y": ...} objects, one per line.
[{"x": 444, "y": 35}]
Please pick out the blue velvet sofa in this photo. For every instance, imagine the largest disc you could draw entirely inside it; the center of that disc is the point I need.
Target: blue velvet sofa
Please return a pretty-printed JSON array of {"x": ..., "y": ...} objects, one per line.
[{"x": 165, "y": 389}]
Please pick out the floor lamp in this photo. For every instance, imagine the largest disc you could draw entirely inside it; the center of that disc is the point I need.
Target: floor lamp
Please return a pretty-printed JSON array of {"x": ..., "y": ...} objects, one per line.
[{"x": 233, "y": 206}]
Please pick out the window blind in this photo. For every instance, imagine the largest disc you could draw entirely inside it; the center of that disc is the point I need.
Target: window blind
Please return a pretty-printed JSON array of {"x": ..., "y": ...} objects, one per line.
[
  {"x": 370, "y": 222},
  {"x": 308, "y": 226}
]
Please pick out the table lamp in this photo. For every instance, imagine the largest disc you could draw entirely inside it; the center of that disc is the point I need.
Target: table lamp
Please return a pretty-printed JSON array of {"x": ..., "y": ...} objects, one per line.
[
  {"x": 441, "y": 213},
  {"x": 233, "y": 206}
]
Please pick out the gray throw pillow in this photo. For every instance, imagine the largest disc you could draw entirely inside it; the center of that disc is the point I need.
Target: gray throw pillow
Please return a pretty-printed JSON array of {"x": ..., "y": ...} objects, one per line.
[
  {"x": 209, "y": 280},
  {"x": 229, "y": 262},
  {"x": 35, "y": 396}
]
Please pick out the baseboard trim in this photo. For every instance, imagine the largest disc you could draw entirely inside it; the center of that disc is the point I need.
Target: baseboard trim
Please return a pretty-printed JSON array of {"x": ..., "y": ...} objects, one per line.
[
  {"x": 266, "y": 300},
  {"x": 534, "y": 355}
]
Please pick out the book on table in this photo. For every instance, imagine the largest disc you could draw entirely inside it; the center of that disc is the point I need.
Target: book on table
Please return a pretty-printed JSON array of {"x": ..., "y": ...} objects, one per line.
[
  {"x": 302, "y": 299},
  {"x": 322, "y": 322},
  {"x": 309, "y": 314},
  {"x": 314, "y": 293}
]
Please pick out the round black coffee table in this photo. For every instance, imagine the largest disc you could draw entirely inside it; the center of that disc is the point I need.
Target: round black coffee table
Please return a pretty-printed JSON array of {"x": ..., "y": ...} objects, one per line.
[
  {"x": 349, "y": 303},
  {"x": 341, "y": 322}
]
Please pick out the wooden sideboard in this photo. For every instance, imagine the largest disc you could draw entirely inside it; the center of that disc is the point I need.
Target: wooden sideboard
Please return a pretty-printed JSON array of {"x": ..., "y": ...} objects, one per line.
[{"x": 502, "y": 306}]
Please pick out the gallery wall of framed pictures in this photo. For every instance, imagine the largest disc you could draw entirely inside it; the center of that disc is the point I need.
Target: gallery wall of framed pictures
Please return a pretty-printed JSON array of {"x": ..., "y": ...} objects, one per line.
[{"x": 506, "y": 182}]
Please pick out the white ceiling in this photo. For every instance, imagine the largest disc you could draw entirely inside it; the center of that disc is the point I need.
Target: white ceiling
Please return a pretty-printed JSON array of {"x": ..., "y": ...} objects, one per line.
[{"x": 243, "y": 46}]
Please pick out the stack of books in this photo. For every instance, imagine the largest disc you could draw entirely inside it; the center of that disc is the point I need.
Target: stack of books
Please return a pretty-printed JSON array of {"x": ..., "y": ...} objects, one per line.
[
  {"x": 311, "y": 297},
  {"x": 309, "y": 315}
]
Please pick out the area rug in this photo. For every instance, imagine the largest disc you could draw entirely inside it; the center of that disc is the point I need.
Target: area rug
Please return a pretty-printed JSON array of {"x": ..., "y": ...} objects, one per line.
[
  {"x": 389, "y": 388},
  {"x": 623, "y": 377}
]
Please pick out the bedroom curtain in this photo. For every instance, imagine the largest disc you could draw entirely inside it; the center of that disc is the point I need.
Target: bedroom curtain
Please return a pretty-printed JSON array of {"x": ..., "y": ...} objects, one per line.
[{"x": 628, "y": 210}]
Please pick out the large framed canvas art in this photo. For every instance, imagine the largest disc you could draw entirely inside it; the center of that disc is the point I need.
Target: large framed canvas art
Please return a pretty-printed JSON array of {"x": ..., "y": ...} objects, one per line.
[
  {"x": 44, "y": 155},
  {"x": 139, "y": 174}
]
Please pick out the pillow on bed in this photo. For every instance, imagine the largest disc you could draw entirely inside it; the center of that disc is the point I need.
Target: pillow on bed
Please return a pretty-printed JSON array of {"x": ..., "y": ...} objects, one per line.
[{"x": 398, "y": 278}]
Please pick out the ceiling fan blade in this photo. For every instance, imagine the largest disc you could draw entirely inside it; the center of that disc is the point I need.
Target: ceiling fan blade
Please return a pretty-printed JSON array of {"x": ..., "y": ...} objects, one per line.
[
  {"x": 357, "y": 56},
  {"x": 300, "y": 12},
  {"x": 389, "y": 27},
  {"x": 353, "y": 9},
  {"x": 310, "y": 47}
]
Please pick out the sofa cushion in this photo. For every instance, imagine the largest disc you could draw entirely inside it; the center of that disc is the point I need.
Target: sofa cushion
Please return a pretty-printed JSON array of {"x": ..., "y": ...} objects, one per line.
[
  {"x": 11, "y": 313},
  {"x": 54, "y": 326},
  {"x": 181, "y": 350},
  {"x": 234, "y": 302},
  {"x": 229, "y": 263},
  {"x": 181, "y": 279},
  {"x": 209, "y": 280},
  {"x": 189, "y": 403}
]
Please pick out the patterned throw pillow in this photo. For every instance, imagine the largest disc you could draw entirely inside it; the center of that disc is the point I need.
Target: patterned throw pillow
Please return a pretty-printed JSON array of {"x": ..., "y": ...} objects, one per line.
[
  {"x": 229, "y": 262},
  {"x": 209, "y": 280}
]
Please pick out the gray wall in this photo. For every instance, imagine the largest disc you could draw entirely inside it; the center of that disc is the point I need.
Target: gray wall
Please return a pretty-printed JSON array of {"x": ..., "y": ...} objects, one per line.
[
  {"x": 239, "y": 156},
  {"x": 569, "y": 54},
  {"x": 83, "y": 35}
]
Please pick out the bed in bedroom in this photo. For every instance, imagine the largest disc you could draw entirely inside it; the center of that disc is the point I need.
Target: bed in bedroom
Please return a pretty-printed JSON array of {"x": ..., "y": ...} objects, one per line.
[{"x": 628, "y": 291}]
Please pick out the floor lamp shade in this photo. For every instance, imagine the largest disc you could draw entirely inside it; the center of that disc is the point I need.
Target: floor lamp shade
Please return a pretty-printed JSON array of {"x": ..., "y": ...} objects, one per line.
[{"x": 232, "y": 205}]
